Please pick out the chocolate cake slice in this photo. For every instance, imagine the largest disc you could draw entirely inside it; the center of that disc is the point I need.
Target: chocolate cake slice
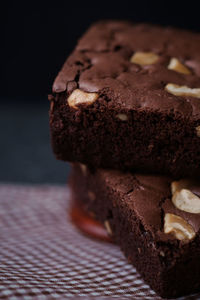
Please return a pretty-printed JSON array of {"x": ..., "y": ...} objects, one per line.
[
  {"x": 156, "y": 222},
  {"x": 128, "y": 98}
]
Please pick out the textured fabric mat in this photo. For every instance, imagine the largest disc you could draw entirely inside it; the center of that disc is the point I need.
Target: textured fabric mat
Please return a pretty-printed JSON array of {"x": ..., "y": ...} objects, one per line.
[{"x": 43, "y": 256}]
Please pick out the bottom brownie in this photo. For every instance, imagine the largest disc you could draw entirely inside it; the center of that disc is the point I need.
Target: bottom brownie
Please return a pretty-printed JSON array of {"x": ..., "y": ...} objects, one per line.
[{"x": 155, "y": 221}]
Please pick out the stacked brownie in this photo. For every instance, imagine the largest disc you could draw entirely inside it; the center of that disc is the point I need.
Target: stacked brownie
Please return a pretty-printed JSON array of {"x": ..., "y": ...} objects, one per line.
[{"x": 125, "y": 110}]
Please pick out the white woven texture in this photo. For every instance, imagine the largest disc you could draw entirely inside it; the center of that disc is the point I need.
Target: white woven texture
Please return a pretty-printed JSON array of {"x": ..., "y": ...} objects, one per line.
[{"x": 44, "y": 256}]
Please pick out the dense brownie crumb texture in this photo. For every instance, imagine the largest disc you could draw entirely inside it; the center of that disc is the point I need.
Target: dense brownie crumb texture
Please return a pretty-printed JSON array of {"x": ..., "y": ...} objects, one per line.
[
  {"x": 128, "y": 97},
  {"x": 155, "y": 221}
]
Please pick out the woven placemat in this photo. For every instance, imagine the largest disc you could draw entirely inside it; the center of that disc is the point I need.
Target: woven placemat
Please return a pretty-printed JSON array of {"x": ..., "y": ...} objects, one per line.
[{"x": 44, "y": 256}]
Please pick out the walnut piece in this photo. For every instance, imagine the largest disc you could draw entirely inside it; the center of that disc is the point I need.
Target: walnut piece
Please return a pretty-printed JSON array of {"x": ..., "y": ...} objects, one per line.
[
  {"x": 162, "y": 253},
  {"x": 107, "y": 226},
  {"x": 182, "y": 90},
  {"x": 177, "y": 66},
  {"x": 183, "y": 198},
  {"x": 79, "y": 97},
  {"x": 198, "y": 131},
  {"x": 187, "y": 201},
  {"x": 178, "y": 227},
  {"x": 181, "y": 184},
  {"x": 122, "y": 117},
  {"x": 144, "y": 58},
  {"x": 83, "y": 168}
]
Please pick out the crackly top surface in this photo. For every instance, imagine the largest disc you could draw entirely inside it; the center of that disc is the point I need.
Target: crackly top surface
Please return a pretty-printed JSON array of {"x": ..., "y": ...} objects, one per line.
[
  {"x": 101, "y": 63},
  {"x": 150, "y": 198}
]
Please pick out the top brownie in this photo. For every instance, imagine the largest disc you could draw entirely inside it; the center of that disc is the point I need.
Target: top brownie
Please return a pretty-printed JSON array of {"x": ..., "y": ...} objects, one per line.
[{"x": 128, "y": 97}]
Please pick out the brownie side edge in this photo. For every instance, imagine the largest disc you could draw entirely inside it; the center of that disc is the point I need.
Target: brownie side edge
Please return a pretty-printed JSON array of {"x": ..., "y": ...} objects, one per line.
[{"x": 147, "y": 142}]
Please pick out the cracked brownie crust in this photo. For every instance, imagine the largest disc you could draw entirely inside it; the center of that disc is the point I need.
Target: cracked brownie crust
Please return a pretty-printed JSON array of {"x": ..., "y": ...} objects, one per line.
[
  {"x": 128, "y": 98},
  {"x": 133, "y": 209}
]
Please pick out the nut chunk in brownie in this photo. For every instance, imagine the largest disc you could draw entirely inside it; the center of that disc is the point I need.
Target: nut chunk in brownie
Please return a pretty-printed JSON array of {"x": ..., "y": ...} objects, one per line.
[
  {"x": 156, "y": 222},
  {"x": 128, "y": 97}
]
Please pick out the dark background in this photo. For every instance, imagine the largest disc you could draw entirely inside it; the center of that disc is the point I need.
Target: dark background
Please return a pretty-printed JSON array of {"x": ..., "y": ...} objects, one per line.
[{"x": 36, "y": 39}]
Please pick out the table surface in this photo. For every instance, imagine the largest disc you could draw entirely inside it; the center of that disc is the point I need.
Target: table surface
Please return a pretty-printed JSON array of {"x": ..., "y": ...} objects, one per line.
[
  {"x": 44, "y": 256},
  {"x": 25, "y": 151}
]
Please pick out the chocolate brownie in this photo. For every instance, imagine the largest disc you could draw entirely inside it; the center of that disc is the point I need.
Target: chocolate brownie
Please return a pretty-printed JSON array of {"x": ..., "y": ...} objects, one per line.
[
  {"x": 155, "y": 220},
  {"x": 128, "y": 97}
]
